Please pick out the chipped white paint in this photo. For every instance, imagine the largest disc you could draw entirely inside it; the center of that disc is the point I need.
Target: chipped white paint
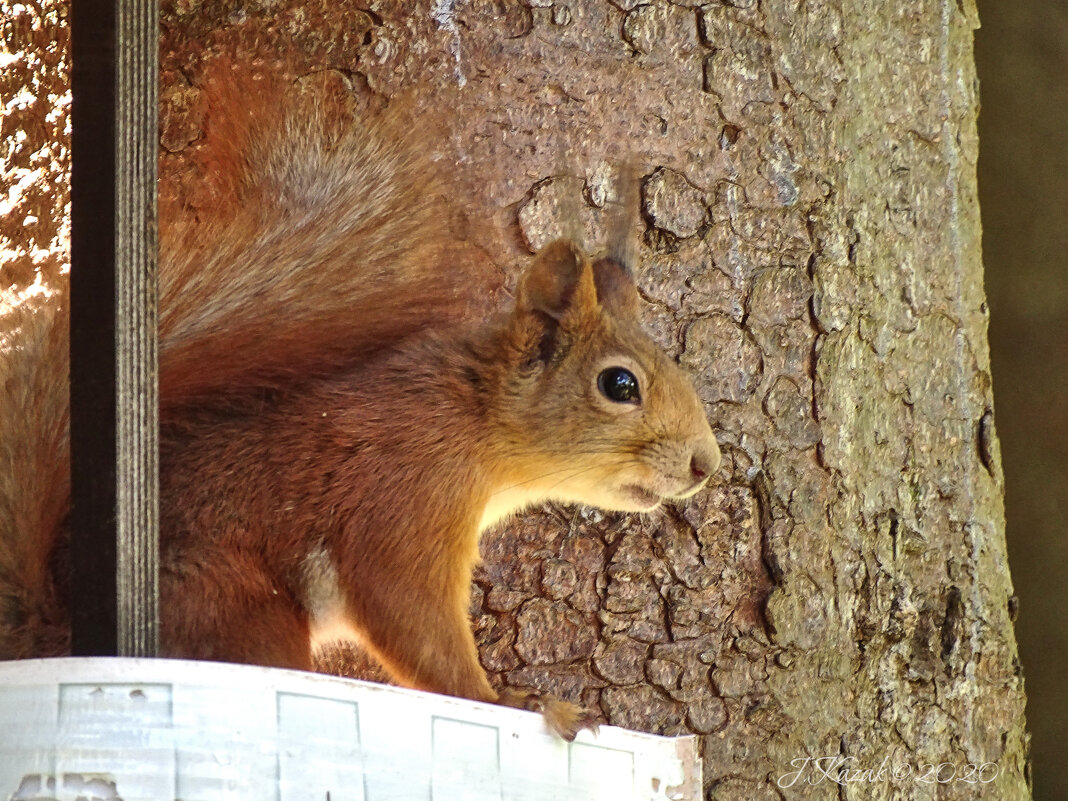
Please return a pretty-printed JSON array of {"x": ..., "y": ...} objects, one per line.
[{"x": 150, "y": 729}]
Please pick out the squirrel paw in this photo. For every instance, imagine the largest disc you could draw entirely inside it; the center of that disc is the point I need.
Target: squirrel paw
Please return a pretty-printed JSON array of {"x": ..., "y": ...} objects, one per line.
[{"x": 561, "y": 717}]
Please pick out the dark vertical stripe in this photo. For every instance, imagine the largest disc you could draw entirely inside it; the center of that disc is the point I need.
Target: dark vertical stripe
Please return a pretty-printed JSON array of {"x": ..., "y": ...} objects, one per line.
[{"x": 114, "y": 429}]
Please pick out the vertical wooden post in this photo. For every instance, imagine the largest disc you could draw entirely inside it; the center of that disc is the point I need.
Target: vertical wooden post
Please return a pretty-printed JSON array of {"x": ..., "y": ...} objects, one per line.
[{"x": 114, "y": 397}]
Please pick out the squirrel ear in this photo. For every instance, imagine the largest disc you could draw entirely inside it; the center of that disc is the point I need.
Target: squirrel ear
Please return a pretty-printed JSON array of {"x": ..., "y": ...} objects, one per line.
[
  {"x": 557, "y": 282},
  {"x": 616, "y": 290}
]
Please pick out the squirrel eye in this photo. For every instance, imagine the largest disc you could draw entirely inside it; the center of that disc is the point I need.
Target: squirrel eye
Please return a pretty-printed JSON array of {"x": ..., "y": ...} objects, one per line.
[{"x": 619, "y": 384}]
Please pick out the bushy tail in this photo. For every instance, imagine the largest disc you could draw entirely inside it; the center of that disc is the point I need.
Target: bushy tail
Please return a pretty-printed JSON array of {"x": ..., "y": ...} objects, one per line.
[
  {"x": 325, "y": 242},
  {"x": 322, "y": 243},
  {"x": 34, "y": 473}
]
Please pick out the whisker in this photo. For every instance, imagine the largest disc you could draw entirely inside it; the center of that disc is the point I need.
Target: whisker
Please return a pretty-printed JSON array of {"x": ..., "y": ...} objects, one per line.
[
  {"x": 566, "y": 478},
  {"x": 571, "y": 473}
]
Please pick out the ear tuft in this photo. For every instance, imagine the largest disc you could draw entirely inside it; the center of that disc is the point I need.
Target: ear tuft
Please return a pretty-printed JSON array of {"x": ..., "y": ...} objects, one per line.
[
  {"x": 616, "y": 291},
  {"x": 550, "y": 283}
]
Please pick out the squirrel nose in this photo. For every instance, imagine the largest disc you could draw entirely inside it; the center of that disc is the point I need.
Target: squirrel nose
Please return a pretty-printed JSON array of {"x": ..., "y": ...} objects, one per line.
[
  {"x": 698, "y": 468},
  {"x": 704, "y": 461}
]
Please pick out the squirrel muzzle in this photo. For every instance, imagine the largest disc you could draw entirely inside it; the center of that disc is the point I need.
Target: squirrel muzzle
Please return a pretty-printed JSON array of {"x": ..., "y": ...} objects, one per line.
[{"x": 609, "y": 419}]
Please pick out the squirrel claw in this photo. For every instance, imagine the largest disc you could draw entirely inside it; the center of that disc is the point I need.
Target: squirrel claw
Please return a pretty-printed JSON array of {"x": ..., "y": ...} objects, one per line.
[
  {"x": 567, "y": 719},
  {"x": 561, "y": 717}
]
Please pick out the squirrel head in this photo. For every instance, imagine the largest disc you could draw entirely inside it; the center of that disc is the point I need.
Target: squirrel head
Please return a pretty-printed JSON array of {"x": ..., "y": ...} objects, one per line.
[{"x": 593, "y": 411}]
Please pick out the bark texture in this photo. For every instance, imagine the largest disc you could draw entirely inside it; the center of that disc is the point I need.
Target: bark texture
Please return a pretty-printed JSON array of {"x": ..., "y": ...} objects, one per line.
[{"x": 810, "y": 250}]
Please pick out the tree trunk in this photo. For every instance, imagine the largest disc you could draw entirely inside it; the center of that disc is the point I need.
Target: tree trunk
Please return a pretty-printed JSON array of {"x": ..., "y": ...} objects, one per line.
[{"x": 810, "y": 250}]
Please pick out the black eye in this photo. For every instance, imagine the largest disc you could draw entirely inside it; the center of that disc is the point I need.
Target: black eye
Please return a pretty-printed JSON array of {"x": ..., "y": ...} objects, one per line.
[{"x": 619, "y": 384}]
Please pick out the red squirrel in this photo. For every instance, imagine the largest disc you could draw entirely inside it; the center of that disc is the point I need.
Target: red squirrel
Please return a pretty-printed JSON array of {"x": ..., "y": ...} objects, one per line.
[{"x": 336, "y": 429}]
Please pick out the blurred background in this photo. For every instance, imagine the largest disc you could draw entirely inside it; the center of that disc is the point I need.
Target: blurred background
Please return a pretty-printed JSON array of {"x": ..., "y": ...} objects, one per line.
[{"x": 1022, "y": 57}]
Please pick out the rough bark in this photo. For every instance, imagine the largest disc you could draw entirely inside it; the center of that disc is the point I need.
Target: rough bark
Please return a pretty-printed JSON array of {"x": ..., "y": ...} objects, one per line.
[{"x": 810, "y": 249}]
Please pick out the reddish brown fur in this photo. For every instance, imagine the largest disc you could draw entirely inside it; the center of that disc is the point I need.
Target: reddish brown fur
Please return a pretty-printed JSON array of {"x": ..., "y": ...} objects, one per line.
[
  {"x": 34, "y": 475},
  {"x": 348, "y": 219},
  {"x": 334, "y": 440}
]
